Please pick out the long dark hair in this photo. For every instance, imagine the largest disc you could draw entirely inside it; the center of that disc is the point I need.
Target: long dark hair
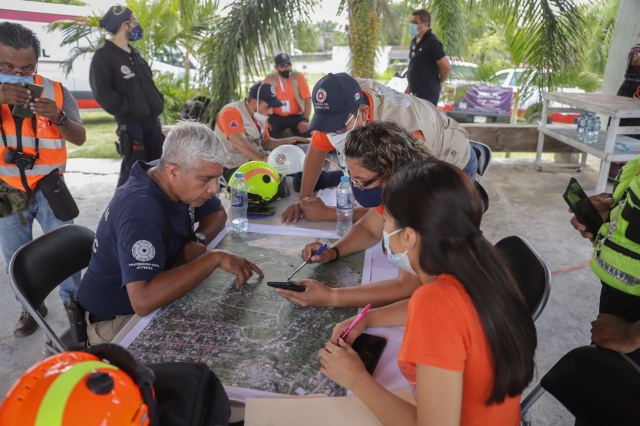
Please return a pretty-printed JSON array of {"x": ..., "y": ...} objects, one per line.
[{"x": 441, "y": 204}]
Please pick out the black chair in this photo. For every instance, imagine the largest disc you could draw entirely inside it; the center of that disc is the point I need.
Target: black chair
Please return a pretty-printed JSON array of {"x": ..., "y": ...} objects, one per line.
[
  {"x": 39, "y": 266},
  {"x": 598, "y": 386},
  {"x": 530, "y": 271},
  {"x": 483, "y": 152}
]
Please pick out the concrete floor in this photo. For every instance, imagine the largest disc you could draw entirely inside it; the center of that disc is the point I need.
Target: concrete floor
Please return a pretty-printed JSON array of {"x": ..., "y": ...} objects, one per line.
[{"x": 522, "y": 202}]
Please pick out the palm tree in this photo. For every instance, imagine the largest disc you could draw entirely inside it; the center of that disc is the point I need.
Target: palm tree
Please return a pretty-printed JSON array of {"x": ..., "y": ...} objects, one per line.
[{"x": 544, "y": 34}]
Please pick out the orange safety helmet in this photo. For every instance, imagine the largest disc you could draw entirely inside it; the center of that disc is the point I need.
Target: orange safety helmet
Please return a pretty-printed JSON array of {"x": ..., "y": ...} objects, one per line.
[{"x": 74, "y": 388}]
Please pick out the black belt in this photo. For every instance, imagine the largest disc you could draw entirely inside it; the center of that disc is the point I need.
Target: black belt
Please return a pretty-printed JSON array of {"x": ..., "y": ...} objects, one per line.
[{"x": 99, "y": 318}]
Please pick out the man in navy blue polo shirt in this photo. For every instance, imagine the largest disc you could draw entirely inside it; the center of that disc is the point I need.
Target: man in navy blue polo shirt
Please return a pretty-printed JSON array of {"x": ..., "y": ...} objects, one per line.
[
  {"x": 147, "y": 253},
  {"x": 429, "y": 66}
]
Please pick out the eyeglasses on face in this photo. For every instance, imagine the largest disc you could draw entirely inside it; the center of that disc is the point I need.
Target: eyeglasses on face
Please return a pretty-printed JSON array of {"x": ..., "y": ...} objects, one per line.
[
  {"x": 135, "y": 22},
  {"x": 343, "y": 129},
  {"x": 12, "y": 71},
  {"x": 363, "y": 185}
]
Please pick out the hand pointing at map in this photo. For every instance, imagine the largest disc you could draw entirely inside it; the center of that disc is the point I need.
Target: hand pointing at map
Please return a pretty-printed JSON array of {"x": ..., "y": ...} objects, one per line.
[{"x": 240, "y": 267}]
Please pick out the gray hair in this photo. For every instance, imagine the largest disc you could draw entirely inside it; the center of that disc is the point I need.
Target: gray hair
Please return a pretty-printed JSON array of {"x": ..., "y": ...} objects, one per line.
[
  {"x": 188, "y": 143},
  {"x": 18, "y": 37}
]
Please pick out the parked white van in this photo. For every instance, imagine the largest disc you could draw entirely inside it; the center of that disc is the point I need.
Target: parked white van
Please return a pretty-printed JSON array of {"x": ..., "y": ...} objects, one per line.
[{"x": 37, "y": 16}]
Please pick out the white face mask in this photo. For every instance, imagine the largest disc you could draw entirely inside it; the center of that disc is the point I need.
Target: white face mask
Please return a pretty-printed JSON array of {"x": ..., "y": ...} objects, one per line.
[
  {"x": 338, "y": 139},
  {"x": 259, "y": 117},
  {"x": 400, "y": 260}
]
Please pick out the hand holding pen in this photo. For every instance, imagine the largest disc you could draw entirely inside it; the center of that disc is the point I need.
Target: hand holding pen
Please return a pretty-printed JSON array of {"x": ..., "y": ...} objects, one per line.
[
  {"x": 301, "y": 265},
  {"x": 355, "y": 322},
  {"x": 310, "y": 251}
]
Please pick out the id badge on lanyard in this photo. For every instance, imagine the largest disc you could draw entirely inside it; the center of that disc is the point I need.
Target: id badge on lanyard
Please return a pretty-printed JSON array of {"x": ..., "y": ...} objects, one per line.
[{"x": 286, "y": 107}]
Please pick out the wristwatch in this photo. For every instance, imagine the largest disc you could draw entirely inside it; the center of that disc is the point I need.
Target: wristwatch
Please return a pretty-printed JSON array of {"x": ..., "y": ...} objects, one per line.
[
  {"x": 62, "y": 119},
  {"x": 305, "y": 119},
  {"x": 199, "y": 237}
]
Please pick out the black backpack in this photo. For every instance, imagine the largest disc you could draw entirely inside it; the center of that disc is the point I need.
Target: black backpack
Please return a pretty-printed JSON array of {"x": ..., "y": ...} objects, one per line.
[{"x": 185, "y": 394}]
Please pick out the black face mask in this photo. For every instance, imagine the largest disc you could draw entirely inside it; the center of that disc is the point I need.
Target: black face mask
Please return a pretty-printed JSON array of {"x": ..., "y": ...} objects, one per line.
[
  {"x": 285, "y": 74},
  {"x": 371, "y": 197}
]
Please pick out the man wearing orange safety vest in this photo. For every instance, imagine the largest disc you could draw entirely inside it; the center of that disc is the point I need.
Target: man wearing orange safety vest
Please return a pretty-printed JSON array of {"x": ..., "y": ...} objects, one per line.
[
  {"x": 293, "y": 91},
  {"x": 32, "y": 149}
]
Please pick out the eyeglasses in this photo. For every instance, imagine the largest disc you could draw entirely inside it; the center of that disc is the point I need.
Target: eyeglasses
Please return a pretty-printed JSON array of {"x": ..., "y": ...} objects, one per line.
[
  {"x": 135, "y": 22},
  {"x": 362, "y": 186},
  {"x": 11, "y": 71},
  {"x": 343, "y": 129}
]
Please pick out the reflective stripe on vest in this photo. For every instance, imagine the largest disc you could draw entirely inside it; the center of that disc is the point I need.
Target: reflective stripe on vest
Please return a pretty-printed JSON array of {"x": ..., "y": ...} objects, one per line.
[
  {"x": 616, "y": 258},
  {"x": 52, "y": 147}
]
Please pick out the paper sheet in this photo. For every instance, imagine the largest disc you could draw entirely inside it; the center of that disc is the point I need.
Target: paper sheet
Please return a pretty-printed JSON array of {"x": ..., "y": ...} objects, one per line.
[{"x": 295, "y": 411}]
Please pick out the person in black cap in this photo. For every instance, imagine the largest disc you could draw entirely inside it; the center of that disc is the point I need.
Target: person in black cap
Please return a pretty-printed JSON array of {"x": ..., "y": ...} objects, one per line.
[
  {"x": 243, "y": 129},
  {"x": 122, "y": 83},
  {"x": 293, "y": 91},
  {"x": 343, "y": 103}
]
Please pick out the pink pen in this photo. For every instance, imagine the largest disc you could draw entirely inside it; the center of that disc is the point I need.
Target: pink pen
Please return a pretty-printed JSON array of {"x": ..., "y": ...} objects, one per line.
[{"x": 356, "y": 321}]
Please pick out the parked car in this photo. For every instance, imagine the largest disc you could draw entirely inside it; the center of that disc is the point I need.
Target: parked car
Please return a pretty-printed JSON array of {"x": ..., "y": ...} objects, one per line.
[{"x": 529, "y": 104}]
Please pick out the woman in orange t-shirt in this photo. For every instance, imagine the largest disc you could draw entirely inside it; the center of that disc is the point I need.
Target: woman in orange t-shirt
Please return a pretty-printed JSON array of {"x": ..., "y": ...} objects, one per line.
[{"x": 469, "y": 338}]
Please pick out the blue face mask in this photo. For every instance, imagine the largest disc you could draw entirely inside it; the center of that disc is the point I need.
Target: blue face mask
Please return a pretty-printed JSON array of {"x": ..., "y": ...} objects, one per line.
[
  {"x": 368, "y": 197},
  {"x": 16, "y": 79},
  {"x": 413, "y": 30},
  {"x": 399, "y": 260},
  {"x": 137, "y": 33}
]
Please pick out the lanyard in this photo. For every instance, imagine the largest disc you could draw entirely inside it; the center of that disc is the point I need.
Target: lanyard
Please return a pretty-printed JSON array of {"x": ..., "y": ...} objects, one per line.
[
  {"x": 283, "y": 87},
  {"x": 19, "y": 121}
]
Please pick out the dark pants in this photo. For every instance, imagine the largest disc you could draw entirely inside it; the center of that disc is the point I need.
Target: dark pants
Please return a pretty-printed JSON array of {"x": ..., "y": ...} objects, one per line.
[
  {"x": 627, "y": 306},
  {"x": 616, "y": 302},
  {"x": 280, "y": 123},
  {"x": 150, "y": 134}
]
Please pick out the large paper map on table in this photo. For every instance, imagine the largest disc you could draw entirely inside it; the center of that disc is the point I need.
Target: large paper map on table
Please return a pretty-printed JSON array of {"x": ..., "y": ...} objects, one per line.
[{"x": 249, "y": 335}]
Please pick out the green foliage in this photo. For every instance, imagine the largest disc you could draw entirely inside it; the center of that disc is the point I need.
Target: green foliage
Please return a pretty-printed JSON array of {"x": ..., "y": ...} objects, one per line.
[
  {"x": 599, "y": 20},
  {"x": 394, "y": 27},
  {"x": 175, "y": 93},
  {"x": 305, "y": 37},
  {"x": 101, "y": 133},
  {"x": 448, "y": 22},
  {"x": 387, "y": 75},
  {"x": 364, "y": 28},
  {"x": 490, "y": 48},
  {"x": 243, "y": 41}
]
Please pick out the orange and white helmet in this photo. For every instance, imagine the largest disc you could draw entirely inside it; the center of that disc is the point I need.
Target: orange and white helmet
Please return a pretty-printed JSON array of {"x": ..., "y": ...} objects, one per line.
[{"x": 74, "y": 388}]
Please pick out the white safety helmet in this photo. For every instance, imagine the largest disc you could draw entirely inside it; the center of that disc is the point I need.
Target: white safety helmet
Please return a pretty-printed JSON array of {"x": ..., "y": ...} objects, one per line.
[{"x": 287, "y": 159}]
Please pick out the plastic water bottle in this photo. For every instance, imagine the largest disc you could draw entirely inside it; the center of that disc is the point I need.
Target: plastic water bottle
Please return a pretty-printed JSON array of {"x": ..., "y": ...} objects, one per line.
[
  {"x": 596, "y": 131},
  {"x": 580, "y": 127},
  {"x": 591, "y": 122},
  {"x": 344, "y": 210},
  {"x": 239, "y": 203},
  {"x": 622, "y": 147}
]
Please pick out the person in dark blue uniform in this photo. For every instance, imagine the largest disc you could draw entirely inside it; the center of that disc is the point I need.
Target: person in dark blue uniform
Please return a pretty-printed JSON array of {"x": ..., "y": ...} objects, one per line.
[
  {"x": 147, "y": 251},
  {"x": 429, "y": 66}
]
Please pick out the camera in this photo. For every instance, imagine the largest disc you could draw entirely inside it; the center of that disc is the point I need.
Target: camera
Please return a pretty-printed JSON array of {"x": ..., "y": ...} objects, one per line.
[{"x": 23, "y": 161}]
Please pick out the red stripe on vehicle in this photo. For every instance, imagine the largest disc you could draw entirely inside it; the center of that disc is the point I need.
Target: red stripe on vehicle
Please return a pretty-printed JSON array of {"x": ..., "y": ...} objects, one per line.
[{"x": 21, "y": 15}]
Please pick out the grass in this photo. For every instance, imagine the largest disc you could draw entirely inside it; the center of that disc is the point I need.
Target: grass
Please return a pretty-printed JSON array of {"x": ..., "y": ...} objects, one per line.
[{"x": 101, "y": 133}]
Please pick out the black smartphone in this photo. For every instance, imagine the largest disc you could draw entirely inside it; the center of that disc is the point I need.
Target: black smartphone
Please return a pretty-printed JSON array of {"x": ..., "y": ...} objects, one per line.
[
  {"x": 287, "y": 285},
  {"x": 369, "y": 348},
  {"x": 24, "y": 110},
  {"x": 261, "y": 210},
  {"x": 582, "y": 207}
]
